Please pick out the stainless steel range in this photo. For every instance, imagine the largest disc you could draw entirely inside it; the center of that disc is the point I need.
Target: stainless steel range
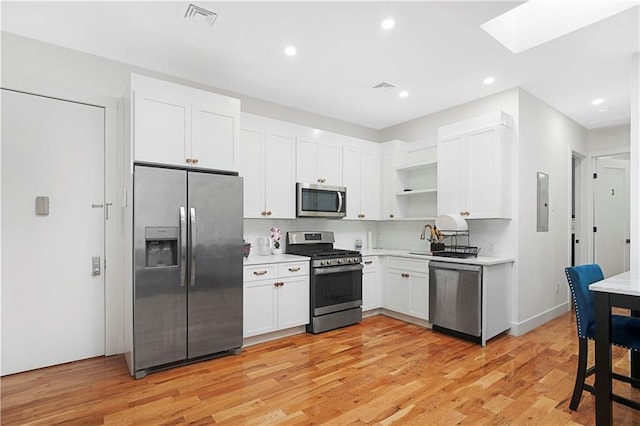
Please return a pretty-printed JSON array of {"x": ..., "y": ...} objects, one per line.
[{"x": 335, "y": 281}]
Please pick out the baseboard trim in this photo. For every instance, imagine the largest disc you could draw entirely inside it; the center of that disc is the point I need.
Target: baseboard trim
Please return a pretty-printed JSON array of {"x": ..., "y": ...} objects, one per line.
[
  {"x": 261, "y": 338},
  {"x": 520, "y": 328}
]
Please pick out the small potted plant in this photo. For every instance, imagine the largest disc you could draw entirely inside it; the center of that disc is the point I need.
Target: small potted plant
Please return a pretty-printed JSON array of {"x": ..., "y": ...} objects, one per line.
[{"x": 275, "y": 237}]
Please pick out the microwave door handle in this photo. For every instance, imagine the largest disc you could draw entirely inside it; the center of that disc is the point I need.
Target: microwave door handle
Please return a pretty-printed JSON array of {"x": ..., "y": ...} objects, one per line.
[{"x": 339, "y": 201}]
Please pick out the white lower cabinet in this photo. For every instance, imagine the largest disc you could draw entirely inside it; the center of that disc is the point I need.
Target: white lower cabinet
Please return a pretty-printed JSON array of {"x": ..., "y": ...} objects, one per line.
[
  {"x": 407, "y": 286},
  {"x": 276, "y": 297},
  {"x": 370, "y": 283}
]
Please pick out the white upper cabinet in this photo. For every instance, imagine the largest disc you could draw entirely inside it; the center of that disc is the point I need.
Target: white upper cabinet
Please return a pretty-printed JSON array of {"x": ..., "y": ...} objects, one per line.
[
  {"x": 268, "y": 168},
  {"x": 318, "y": 161},
  {"x": 180, "y": 125},
  {"x": 474, "y": 173},
  {"x": 160, "y": 128},
  {"x": 361, "y": 177}
]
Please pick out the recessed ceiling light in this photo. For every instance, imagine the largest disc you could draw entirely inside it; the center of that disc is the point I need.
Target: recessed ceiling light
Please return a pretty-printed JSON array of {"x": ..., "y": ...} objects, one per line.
[
  {"x": 489, "y": 80},
  {"x": 403, "y": 94},
  {"x": 605, "y": 109},
  {"x": 597, "y": 101},
  {"x": 290, "y": 51},
  {"x": 387, "y": 24}
]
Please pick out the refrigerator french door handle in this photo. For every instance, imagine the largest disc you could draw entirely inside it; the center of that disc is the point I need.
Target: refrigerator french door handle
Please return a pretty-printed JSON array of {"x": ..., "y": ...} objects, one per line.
[
  {"x": 183, "y": 246},
  {"x": 339, "y": 202},
  {"x": 192, "y": 214}
]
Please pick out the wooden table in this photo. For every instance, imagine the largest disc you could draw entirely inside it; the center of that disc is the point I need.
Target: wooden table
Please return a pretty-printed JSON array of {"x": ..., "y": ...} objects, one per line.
[{"x": 621, "y": 291}]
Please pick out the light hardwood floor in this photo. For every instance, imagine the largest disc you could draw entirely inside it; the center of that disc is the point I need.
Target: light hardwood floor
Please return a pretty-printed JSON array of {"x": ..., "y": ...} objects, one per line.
[{"x": 382, "y": 371}]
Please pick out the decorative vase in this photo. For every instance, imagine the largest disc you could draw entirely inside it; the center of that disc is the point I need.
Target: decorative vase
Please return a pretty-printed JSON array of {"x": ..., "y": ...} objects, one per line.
[{"x": 277, "y": 251}]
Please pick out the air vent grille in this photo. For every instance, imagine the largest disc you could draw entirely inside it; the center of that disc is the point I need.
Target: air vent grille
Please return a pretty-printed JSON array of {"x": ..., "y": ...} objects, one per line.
[
  {"x": 200, "y": 16},
  {"x": 382, "y": 86}
]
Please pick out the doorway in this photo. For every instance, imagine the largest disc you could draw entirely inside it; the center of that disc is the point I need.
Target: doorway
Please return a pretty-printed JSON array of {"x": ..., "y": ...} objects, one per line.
[
  {"x": 611, "y": 230},
  {"x": 53, "y": 231}
]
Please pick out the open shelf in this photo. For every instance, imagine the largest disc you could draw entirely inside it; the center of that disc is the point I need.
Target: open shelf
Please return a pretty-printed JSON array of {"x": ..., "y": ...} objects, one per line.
[
  {"x": 416, "y": 192},
  {"x": 417, "y": 166}
]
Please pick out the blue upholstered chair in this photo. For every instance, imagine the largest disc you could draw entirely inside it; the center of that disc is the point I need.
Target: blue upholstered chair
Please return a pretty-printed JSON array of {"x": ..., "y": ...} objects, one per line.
[{"x": 625, "y": 331}]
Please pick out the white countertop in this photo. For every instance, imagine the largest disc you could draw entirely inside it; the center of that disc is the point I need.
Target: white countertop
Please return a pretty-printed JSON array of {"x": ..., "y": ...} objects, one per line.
[
  {"x": 625, "y": 283},
  {"x": 256, "y": 259},
  {"x": 480, "y": 260}
]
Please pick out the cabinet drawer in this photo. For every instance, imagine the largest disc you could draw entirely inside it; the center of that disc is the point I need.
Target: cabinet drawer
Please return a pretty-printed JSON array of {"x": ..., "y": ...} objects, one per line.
[
  {"x": 407, "y": 264},
  {"x": 370, "y": 263},
  {"x": 293, "y": 269},
  {"x": 260, "y": 272}
]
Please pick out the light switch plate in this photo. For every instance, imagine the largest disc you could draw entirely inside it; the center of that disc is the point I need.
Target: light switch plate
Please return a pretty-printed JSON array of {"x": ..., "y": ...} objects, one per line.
[{"x": 42, "y": 206}]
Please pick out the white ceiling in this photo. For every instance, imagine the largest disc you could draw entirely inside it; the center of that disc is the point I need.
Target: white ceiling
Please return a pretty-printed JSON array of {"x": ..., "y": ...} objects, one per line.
[{"x": 436, "y": 51}]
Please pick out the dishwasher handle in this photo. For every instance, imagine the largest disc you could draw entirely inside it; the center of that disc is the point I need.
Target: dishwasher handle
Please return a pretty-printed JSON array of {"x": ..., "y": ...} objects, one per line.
[{"x": 455, "y": 266}]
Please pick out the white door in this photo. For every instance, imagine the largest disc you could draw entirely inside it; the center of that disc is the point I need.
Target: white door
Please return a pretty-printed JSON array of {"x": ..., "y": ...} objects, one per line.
[
  {"x": 52, "y": 305},
  {"x": 611, "y": 216}
]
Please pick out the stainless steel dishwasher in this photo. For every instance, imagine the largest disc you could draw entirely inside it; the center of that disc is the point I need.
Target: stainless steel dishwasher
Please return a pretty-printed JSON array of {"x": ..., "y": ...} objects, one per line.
[{"x": 455, "y": 299}]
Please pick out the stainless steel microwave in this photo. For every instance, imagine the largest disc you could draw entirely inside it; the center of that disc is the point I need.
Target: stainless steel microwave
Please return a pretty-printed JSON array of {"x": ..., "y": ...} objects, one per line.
[{"x": 316, "y": 200}]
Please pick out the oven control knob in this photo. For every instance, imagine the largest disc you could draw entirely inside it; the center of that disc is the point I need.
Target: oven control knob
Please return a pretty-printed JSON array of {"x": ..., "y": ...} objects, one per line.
[{"x": 339, "y": 261}]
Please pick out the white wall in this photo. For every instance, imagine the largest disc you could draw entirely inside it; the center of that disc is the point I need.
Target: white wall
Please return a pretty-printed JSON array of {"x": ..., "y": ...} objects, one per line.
[
  {"x": 426, "y": 128},
  {"x": 494, "y": 237},
  {"x": 38, "y": 67},
  {"x": 608, "y": 139},
  {"x": 544, "y": 142},
  {"x": 635, "y": 162},
  {"x": 547, "y": 139},
  {"x": 47, "y": 64},
  {"x": 346, "y": 232}
]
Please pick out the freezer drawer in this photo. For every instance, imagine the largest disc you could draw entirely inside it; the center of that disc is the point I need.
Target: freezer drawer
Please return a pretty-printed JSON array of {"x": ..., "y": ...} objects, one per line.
[{"x": 455, "y": 297}]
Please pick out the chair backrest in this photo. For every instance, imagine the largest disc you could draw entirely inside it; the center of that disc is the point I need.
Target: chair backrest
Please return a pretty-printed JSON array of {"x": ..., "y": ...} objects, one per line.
[{"x": 579, "y": 278}]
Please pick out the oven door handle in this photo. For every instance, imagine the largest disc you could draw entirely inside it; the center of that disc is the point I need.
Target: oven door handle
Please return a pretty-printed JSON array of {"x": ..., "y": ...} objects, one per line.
[{"x": 337, "y": 269}]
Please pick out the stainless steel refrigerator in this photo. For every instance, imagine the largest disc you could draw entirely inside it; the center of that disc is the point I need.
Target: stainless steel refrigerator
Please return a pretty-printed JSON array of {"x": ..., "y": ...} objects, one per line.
[{"x": 187, "y": 301}]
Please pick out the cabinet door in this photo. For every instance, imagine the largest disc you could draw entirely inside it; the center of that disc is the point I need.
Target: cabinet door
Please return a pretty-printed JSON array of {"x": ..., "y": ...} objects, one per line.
[
  {"x": 418, "y": 300},
  {"x": 161, "y": 129},
  {"x": 213, "y": 137},
  {"x": 306, "y": 161},
  {"x": 260, "y": 308},
  {"x": 318, "y": 162},
  {"x": 280, "y": 188},
  {"x": 369, "y": 186},
  {"x": 351, "y": 180},
  {"x": 396, "y": 290},
  {"x": 253, "y": 173},
  {"x": 293, "y": 302},
  {"x": 451, "y": 175},
  {"x": 330, "y": 163},
  {"x": 481, "y": 185},
  {"x": 370, "y": 285}
]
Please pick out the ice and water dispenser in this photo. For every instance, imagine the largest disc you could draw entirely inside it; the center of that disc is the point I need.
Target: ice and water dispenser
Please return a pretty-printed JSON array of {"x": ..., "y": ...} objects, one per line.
[{"x": 161, "y": 246}]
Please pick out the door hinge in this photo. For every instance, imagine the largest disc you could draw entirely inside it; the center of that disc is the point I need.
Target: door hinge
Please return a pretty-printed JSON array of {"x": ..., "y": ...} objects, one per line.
[
  {"x": 595, "y": 229},
  {"x": 595, "y": 176}
]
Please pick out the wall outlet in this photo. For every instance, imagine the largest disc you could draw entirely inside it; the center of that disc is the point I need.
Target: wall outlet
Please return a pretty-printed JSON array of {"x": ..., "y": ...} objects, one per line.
[{"x": 557, "y": 288}]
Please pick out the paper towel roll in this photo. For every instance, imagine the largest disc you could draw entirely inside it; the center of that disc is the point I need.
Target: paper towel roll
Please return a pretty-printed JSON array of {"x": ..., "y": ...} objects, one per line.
[{"x": 369, "y": 240}]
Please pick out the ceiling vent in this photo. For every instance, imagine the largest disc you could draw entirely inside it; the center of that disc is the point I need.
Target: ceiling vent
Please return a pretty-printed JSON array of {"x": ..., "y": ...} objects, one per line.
[
  {"x": 200, "y": 16},
  {"x": 383, "y": 86}
]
